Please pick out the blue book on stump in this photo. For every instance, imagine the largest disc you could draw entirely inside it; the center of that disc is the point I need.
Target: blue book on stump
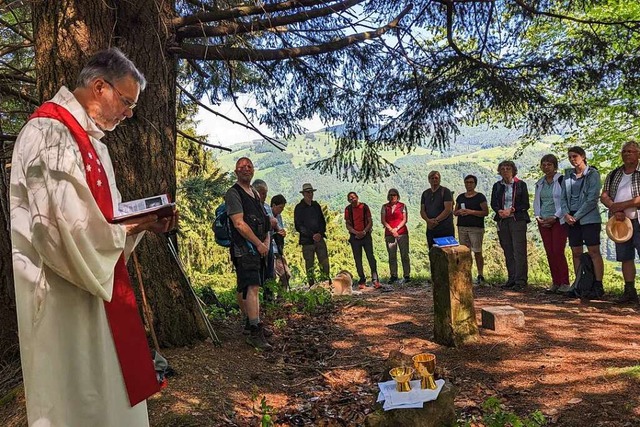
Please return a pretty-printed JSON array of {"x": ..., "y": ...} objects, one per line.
[{"x": 445, "y": 242}]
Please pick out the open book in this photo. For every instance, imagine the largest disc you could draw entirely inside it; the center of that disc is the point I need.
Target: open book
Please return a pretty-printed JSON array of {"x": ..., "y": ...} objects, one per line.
[{"x": 158, "y": 205}]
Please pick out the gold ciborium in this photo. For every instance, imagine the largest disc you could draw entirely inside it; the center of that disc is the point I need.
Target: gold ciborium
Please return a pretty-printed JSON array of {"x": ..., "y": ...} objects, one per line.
[
  {"x": 425, "y": 364},
  {"x": 402, "y": 376}
]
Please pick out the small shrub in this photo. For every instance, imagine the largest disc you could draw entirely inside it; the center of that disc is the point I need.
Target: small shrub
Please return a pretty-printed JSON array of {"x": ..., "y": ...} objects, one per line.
[{"x": 495, "y": 416}]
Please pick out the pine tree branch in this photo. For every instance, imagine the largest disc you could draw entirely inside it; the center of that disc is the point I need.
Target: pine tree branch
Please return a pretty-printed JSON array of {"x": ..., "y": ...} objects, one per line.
[
  {"x": 197, "y": 141},
  {"x": 240, "y": 11},
  {"x": 7, "y": 90},
  {"x": 17, "y": 30},
  {"x": 263, "y": 24},
  {"x": 218, "y": 52},
  {"x": 17, "y": 77},
  {"x": 7, "y": 49}
]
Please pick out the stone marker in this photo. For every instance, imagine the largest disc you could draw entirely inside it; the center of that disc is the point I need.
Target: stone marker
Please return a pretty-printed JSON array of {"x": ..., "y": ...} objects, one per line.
[
  {"x": 502, "y": 318},
  {"x": 436, "y": 413},
  {"x": 454, "y": 320}
]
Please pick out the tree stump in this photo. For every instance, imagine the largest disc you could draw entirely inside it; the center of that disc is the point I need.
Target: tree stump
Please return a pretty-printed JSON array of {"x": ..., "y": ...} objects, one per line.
[
  {"x": 436, "y": 413},
  {"x": 454, "y": 313}
]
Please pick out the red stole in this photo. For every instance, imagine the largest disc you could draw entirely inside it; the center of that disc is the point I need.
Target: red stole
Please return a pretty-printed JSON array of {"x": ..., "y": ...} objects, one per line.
[{"x": 128, "y": 334}]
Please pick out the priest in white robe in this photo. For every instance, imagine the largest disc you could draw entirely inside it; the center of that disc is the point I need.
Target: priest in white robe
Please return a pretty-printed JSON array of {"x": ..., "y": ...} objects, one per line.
[{"x": 65, "y": 251}]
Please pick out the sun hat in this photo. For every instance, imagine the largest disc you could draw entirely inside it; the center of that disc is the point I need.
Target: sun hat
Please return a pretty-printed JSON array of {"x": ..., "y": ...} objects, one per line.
[
  {"x": 307, "y": 187},
  {"x": 619, "y": 231}
]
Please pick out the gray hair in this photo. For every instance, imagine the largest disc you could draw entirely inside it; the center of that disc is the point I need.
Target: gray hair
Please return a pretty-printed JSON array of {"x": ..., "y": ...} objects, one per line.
[
  {"x": 112, "y": 65},
  {"x": 259, "y": 184},
  {"x": 631, "y": 142}
]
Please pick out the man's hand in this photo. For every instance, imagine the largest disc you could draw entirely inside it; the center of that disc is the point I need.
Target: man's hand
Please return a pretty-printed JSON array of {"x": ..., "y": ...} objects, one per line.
[
  {"x": 263, "y": 249},
  {"x": 620, "y": 216},
  {"x": 505, "y": 213},
  {"x": 151, "y": 223},
  {"x": 463, "y": 212},
  {"x": 317, "y": 237},
  {"x": 282, "y": 232},
  {"x": 432, "y": 223}
]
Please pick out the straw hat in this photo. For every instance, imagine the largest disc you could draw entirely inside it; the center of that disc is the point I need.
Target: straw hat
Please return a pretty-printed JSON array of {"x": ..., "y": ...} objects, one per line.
[
  {"x": 619, "y": 231},
  {"x": 307, "y": 187}
]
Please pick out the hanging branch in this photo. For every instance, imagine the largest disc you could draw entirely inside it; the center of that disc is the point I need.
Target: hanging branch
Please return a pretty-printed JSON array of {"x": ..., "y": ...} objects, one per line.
[
  {"x": 219, "y": 52},
  {"x": 237, "y": 12},
  {"x": 263, "y": 24},
  {"x": 230, "y": 120},
  {"x": 197, "y": 141}
]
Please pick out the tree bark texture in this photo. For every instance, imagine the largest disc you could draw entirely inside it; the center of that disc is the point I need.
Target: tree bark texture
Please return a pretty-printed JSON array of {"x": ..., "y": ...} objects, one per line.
[{"x": 67, "y": 33}]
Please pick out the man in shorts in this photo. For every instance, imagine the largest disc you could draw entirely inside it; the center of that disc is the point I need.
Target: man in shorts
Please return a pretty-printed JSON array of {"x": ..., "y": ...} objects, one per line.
[
  {"x": 250, "y": 238},
  {"x": 621, "y": 194}
]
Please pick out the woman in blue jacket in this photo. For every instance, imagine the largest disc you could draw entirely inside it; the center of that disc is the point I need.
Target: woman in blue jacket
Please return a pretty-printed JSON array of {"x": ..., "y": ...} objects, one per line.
[
  {"x": 580, "y": 196},
  {"x": 510, "y": 202}
]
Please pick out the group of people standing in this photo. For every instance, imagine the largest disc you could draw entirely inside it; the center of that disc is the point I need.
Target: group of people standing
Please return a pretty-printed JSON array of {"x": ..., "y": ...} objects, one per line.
[{"x": 565, "y": 207}]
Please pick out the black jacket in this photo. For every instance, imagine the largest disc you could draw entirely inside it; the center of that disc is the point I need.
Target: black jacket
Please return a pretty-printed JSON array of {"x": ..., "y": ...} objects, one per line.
[
  {"x": 309, "y": 220},
  {"x": 520, "y": 200}
]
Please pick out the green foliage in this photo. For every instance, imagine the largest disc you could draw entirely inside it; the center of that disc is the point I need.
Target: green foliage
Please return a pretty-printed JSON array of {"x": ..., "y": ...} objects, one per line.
[
  {"x": 309, "y": 301},
  {"x": 628, "y": 371},
  {"x": 265, "y": 411},
  {"x": 495, "y": 416}
]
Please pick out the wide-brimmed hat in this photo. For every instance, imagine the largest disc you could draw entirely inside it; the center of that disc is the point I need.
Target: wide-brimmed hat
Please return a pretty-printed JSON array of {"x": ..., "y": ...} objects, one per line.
[
  {"x": 307, "y": 187},
  {"x": 619, "y": 231}
]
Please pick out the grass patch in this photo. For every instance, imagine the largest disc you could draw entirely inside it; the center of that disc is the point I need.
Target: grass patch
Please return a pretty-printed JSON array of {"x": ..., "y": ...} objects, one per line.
[{"x": 629, "y": 372}]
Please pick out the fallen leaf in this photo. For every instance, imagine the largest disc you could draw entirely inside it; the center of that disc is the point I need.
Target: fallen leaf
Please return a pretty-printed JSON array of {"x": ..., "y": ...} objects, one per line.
[{"x": 574, "y": 401}]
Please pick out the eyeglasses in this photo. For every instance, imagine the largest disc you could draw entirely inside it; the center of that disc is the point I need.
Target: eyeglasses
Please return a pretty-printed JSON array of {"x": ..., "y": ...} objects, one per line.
[
  {"x": 393, "y": 195},
  {"x": 129, "y": 104}
]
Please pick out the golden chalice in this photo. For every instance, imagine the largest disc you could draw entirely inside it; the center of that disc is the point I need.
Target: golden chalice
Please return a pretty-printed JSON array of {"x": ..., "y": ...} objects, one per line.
[
  {"x": 425, "y": 364},
  {"x": 402, "y": 376}
]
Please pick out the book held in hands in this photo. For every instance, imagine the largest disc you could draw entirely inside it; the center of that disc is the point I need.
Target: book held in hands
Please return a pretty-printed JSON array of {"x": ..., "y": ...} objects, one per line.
[{"x": 158, "y": 205}]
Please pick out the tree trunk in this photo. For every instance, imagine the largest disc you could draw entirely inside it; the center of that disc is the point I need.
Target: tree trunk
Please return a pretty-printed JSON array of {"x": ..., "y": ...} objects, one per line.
[
  {"x": 142, "y": 148},
  {"x": 8, "y": 320}
]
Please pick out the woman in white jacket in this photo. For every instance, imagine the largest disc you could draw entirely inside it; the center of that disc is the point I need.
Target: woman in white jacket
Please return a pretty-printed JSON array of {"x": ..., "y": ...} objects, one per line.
[{"x": 548, "y": 212}]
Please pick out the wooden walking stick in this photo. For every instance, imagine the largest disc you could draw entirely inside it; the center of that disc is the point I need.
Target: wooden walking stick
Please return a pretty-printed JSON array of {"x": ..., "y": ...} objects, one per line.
[{"x": 145, "y": 306}]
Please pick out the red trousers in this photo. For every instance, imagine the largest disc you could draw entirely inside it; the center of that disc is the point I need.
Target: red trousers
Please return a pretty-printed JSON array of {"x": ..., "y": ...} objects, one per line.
[{"x": 555, "y": 240}]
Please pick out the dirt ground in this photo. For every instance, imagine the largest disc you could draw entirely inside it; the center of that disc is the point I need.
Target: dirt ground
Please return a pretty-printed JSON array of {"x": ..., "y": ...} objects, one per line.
[{"x": 577, "y": 363}]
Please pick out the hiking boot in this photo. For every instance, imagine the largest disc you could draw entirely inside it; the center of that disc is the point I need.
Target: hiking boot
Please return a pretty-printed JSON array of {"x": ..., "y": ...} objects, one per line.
[
  {"x": 480, "y": 280},
  {"x": 405, "y": 280},
  {"x": 553, "y": 289},
  {"x": 257, "y": 339},
  {"x": 362, "y": 284},
  {"x": 376, "y": 284},
  {"x": 247, "y": 329},
  {"x": 392, "y": 280},
  {"x": 268, "y": 332},
  {"x": 518, "y": 287},
  {"x": 630, "y": 296},
  {"x": 563, "y": 289},
  {"x": 508, "y": 285}
]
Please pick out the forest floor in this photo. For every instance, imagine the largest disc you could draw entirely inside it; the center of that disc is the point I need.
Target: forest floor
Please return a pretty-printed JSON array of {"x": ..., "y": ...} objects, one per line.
[{"x": 578, "y": 363}]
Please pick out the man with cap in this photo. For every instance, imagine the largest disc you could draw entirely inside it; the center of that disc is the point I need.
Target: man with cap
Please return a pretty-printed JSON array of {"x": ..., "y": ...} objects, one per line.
[
  {"x": 621, "y": 194},
  {"x": 311, "y": 224}
]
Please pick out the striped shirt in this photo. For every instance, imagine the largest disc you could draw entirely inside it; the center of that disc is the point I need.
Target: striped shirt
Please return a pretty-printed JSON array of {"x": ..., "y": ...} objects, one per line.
[{"x": 613, "y": 181}]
